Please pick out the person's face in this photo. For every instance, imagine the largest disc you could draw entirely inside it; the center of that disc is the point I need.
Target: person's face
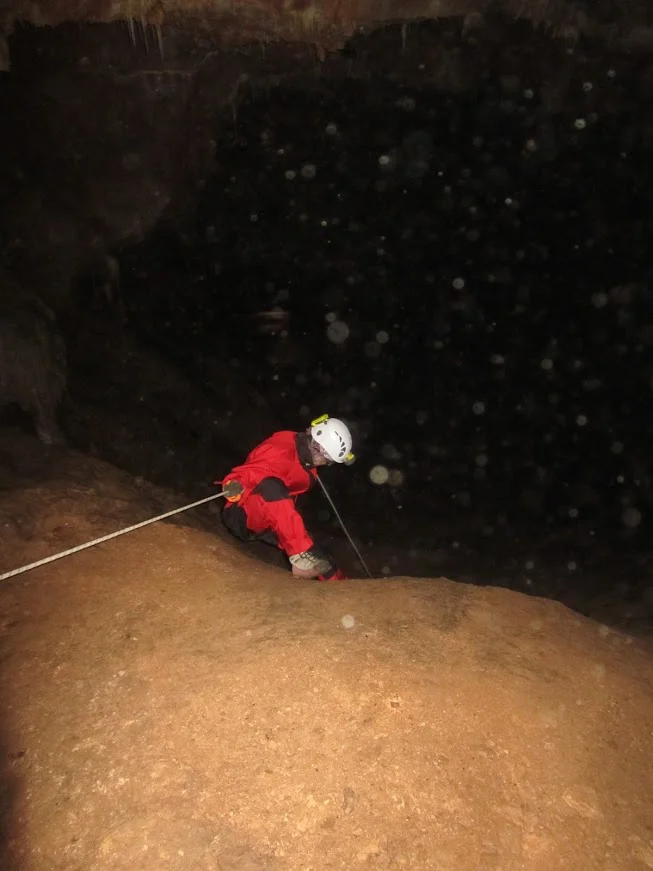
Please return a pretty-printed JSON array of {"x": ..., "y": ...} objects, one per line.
[{"x": 318, "y": 457}]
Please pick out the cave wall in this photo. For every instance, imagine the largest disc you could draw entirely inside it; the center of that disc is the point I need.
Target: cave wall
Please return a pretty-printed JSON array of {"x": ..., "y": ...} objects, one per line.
[
  {"x": 104, "y": 141},
  {"x": 328, "y": 24},
  {"x": 109, "y": 135},
  {"x": 113, "y": 126}
]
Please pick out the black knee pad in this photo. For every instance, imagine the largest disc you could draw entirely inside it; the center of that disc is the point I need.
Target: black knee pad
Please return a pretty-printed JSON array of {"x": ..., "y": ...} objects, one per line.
[
  {"x": 235, "y": 519},
  {"x": 268, "y": 537},
  {"x": 272, "y": 490}
]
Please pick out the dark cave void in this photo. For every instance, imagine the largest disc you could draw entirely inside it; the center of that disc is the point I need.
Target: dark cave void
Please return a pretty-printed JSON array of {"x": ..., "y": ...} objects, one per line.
[
  {"x": 465, "y": 278},
  {"x": 454, "y": 257}
]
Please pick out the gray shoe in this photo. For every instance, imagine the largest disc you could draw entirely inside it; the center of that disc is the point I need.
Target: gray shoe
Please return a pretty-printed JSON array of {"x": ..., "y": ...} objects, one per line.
[{"x": 309, "y": 564}]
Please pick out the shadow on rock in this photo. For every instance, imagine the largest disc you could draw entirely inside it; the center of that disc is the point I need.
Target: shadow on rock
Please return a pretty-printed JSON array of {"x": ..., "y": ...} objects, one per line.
[{"x": 10, "y": 759}]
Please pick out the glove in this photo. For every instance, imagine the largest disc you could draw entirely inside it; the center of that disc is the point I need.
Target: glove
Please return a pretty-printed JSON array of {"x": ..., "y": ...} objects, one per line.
[{"x": 233, "y": 490}]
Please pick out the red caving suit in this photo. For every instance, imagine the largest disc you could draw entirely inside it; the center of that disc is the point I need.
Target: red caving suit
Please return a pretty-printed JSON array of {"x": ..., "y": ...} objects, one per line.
[{"x": 273, "y": 475}]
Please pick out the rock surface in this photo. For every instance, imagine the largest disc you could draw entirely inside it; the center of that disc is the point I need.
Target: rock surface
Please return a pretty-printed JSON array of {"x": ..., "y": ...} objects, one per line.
[
  {"x": 327, "y": 23},
  {"x": 114, "y": 125},
  {"x": 170, "y": 703}
]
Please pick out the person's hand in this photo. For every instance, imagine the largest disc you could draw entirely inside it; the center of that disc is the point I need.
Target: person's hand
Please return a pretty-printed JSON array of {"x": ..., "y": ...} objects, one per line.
[{"x": 233, "y": 490}]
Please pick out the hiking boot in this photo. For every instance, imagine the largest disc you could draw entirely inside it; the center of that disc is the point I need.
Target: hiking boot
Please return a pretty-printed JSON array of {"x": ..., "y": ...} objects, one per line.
[{"x": 310, "y": 564}]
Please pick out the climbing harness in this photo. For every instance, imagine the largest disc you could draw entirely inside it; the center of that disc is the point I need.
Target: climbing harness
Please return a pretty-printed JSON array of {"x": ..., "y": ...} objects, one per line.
[
  {"x": 56, "y": 556},
  {"x": 344, "y": 528}
]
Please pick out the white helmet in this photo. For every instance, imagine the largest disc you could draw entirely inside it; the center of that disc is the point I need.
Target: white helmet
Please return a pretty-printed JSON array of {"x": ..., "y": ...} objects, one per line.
[{"x": 333, "y": 436}]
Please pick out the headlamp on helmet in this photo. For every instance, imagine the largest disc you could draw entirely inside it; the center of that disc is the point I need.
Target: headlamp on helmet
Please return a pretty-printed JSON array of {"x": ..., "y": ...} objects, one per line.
[{"x": 333, "y": 438}]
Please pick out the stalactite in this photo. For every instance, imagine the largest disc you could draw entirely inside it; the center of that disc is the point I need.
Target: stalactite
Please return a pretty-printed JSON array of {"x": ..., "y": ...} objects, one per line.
[
  {"x": 130, "y": 26},
  {"x": 159, "y": 39}
]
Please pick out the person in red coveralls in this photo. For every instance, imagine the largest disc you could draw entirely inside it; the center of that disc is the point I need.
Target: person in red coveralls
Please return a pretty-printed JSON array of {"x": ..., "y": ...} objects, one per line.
[{"x": 261, "y": 492}]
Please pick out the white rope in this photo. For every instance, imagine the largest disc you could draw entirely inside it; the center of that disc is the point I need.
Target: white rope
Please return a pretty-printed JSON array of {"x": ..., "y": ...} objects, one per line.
[
  {"x": 51, "y": 559},
  {"x": 344, "y": 528}
]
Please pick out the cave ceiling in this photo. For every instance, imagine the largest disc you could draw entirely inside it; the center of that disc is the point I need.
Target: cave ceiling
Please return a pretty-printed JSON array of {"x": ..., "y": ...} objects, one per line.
[
  {"x": 328, "y": 24},
  {"x": 112, "y": 103}
]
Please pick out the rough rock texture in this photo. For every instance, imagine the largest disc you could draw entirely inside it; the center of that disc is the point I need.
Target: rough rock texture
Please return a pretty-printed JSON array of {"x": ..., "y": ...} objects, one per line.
[
  {"x": 328, "y": 23},
  {"x": 33, "y": 365},
  {"x": 107, "y": 139},
  {"x": 169, "y": 703},
  {"x": 113, "y": 126}
]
